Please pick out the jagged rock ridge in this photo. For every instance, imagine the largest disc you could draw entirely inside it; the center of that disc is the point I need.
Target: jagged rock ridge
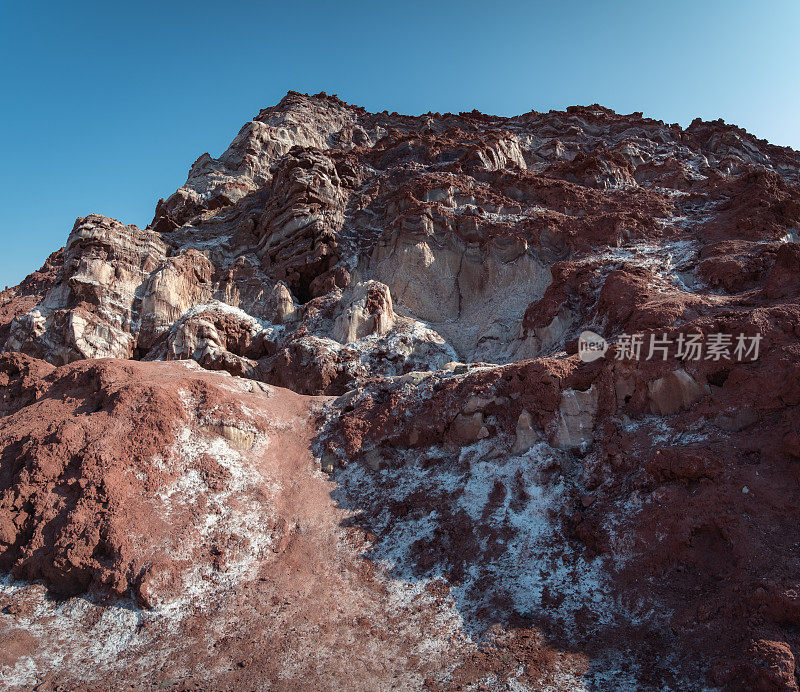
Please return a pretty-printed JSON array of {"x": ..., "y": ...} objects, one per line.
[{"x": 466, "y": 220}]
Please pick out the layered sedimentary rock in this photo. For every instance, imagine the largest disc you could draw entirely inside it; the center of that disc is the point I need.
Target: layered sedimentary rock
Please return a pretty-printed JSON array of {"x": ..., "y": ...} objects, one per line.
[{"x": 498, "y": 512}]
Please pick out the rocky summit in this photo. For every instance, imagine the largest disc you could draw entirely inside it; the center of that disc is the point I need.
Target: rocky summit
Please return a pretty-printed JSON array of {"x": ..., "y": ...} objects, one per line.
[{"x": 447, "y": 402}]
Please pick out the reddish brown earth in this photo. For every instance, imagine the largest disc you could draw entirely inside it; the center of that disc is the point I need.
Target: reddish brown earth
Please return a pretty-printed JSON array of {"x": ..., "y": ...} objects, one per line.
[{"x": 324, "y": 424}]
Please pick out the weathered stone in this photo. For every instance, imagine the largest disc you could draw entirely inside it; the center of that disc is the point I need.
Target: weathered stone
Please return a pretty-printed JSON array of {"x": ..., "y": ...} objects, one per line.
[
  {"x": 283, "y": 303},
  {"x": 414, "y": 378},
  {"x": 466, "y": 429},
  {"x": 240, "y": 439},
  {"x": 476, "y": 403},
  {"x": 375, "y": 460},
  {"x": 575, "y": 419},
  {"x": 736, "y": 421},
  {"x": 367, "y": 310},
  {"x": 675, "y": 391},
  {"x": 526, "y": 435}
]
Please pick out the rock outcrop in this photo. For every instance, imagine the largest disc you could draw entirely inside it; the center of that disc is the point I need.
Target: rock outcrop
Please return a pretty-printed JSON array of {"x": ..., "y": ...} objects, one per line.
[{"x": 495, "y": 512}]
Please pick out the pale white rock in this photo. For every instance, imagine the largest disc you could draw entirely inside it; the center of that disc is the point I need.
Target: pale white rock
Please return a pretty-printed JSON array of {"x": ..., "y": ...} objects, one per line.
[
  {"x": 500, "y": 153},
  {"x": 180, "y": 283},
  {"x": 415, "y": 377},
  {"x": 282, "y": 302},
  {"x": 367, "y": 310},
  {"x": 526, "y": 435},
  {"x": 472, "y": 296},
  {"x": 106, "y": 268},
  {"x": 236, "y": 436},
  {"x": 575, "y": 419},
  {"x": 246, "y": 165},
  {"x": 541, "y": 340},
  {"x": 476, "y": 403},
  {"x": 675, "y": 391}
]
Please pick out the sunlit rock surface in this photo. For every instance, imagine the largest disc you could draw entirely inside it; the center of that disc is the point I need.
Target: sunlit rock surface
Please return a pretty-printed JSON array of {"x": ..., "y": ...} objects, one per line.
[{"x": 324, "y": 422}]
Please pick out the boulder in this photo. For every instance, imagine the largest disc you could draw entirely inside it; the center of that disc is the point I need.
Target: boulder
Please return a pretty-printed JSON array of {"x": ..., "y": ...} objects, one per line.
[
  {"x": 675, "y": 391},
  {"x": 575, "y": 419},
  {"x": 467, "y": 429},
  {"x": 367, "y": 309},
  {"x": 526, "y": 435}
]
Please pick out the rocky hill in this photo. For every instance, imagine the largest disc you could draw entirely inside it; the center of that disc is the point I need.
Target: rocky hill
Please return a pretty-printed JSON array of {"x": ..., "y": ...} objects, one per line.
[{"x": 327, "y": 422}]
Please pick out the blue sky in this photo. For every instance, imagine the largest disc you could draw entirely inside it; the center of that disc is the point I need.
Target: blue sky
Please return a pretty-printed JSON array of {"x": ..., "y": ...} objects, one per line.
[{"x": 105, "y": 105}]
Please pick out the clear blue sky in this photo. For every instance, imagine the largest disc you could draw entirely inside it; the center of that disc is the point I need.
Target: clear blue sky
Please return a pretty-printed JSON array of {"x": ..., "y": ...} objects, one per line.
[{"x": 105, "y": 105}]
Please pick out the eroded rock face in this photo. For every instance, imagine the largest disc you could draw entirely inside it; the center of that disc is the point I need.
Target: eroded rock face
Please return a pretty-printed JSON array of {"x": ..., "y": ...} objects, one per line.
[
  {"x": 367, "y": 310},
  {"x": 432, "y": 274},
  {"x": 574, "y": 425},
  {"x": 300, "y": 229},
  {"x": 675, "y": 391},
  {"x": 100, "y": 488},
  {"x": 503, "y": 236},
  {"x": 93, "y": 310}
]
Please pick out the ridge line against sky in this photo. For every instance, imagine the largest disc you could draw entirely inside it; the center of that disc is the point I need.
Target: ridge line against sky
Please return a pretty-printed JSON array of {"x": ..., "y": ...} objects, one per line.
[{"x": 107, "y": 107}]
